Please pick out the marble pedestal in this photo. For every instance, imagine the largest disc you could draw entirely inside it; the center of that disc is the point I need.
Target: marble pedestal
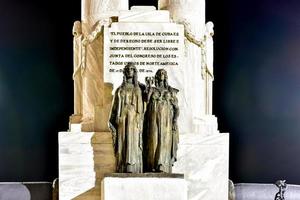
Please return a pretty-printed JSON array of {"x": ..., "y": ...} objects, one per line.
[
  {"x": 144, "y": 186},
  {"x": 204, "y": 162},
  {"x": 84, "y": 158}
]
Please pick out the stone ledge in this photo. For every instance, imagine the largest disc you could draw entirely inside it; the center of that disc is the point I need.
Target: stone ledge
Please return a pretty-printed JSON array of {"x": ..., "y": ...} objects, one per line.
[
  {"x": 144, "y": 175},
  {"x": 146, "y": 188}
]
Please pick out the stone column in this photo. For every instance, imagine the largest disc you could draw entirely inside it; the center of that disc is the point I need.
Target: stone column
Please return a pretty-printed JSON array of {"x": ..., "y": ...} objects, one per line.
[
  {"x": 95, "y": 95},
  {"x": 93, "y": 10},
  {"x": 209, "y": 60},
  {"x": 191, "y": 13},
  {"x": 77, "y": 66}
]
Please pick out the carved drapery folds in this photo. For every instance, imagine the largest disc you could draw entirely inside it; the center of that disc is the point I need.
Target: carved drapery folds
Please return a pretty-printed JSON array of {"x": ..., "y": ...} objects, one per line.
[
  {"x": 86, "y": 71},
  {"x": 143, "y": 121},
  {"x": 161, "y": 135},
  {"x": 126, "y": 123}
]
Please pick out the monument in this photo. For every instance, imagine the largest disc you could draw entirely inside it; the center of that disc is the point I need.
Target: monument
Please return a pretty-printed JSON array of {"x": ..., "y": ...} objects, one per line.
[{"x": 134, "y": 70}]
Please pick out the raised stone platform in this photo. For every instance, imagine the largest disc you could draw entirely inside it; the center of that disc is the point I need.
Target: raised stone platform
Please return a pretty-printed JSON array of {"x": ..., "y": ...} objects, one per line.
[
  {"x": 144, "y": 175},
  {"x": 149, "y": 186},
  {"x": 204, "y": 161},
  {"x": 84, "y": 158}
]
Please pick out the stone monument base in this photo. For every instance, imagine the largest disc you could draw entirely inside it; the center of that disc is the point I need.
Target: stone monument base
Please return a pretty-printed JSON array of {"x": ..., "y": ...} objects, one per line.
[
  {"x": 152, "y": 186},
  {"x": 204, "y": 161},
  {"x": 84, "y": 158}
]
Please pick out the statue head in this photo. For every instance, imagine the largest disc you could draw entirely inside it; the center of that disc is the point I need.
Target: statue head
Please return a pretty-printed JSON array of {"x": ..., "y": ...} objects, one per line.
[
  {"x": 130, "y": 72},
  {"x": 161, "y": 75},
  {"x": 77, "y": 28}
]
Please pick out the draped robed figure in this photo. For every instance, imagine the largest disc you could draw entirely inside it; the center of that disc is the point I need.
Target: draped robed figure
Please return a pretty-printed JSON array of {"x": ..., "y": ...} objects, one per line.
[
  {"x": 126, "y": 123},
  {"x": 160, "y": 126}
]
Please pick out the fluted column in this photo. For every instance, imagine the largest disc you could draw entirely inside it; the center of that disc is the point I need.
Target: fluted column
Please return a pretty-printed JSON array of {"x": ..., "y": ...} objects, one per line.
[
  {"x": 95, "y": 95},
  {"x": 191, "y": 13},
  {"x": 93, "y": 10}
]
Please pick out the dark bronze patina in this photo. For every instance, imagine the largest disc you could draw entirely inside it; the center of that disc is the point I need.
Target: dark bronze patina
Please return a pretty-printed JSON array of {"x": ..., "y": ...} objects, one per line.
[
  {"x": 144, "y": 141},
  {"x": 126, "y": 123},
  {"x": 160, "y": 134}
]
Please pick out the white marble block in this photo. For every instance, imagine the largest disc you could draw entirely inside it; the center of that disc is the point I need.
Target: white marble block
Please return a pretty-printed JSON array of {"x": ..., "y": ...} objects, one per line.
[
  {"x": 144, "y": 14},
  {"x": 144, "y": 188},
  {"x": 204, "y": 162},
  {"x": 84, "y": 158}
]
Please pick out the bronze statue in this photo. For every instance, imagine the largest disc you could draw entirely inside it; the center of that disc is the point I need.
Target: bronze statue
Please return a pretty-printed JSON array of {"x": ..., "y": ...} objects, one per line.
[
  {"x": 160, "y": 125},
  {"x": 126, "y": 123}
]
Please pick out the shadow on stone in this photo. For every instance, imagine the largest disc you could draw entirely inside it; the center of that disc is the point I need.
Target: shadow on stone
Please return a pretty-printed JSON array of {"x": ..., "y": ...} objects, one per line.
[{"x": 104, "y": 162}]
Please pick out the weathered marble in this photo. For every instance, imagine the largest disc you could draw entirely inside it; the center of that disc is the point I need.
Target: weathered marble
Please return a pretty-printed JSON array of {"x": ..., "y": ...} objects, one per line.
[
  {"x": 145, "y": 175},
  {"x": 144, "y": 14},
  {"x": 208, "y": 54},
  {"x": 204, "y": 162},
  {"x": 84, "y": 158},
  {"x": 81, "y": 43},
  {"x": 191, "y": 13},
  {"x": 186, "y": 77},
  {"x": 145, "y": 188},
  {"x": 75, "y": 127},
  {"x": 96, "y": 95},
  {"x": 93, "y": 88},
  {"x": 93, "y": 10},
  {"x": 195, "y": 102},
  {"x": 203, "y": 152},
  {"x": 174, "y": 72},
  {"x": 208, "y": 125},
  {"x": 78, "y": 65},
  {"x": 92, "y": 97}
]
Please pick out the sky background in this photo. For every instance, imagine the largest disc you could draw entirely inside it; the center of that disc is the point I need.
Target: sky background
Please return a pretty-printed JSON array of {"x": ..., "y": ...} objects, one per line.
[{"x": 256, "y": 87}]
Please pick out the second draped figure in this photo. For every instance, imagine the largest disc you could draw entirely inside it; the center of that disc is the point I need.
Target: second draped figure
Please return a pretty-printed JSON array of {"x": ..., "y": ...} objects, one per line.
[{"x": 143, "y": 121}]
